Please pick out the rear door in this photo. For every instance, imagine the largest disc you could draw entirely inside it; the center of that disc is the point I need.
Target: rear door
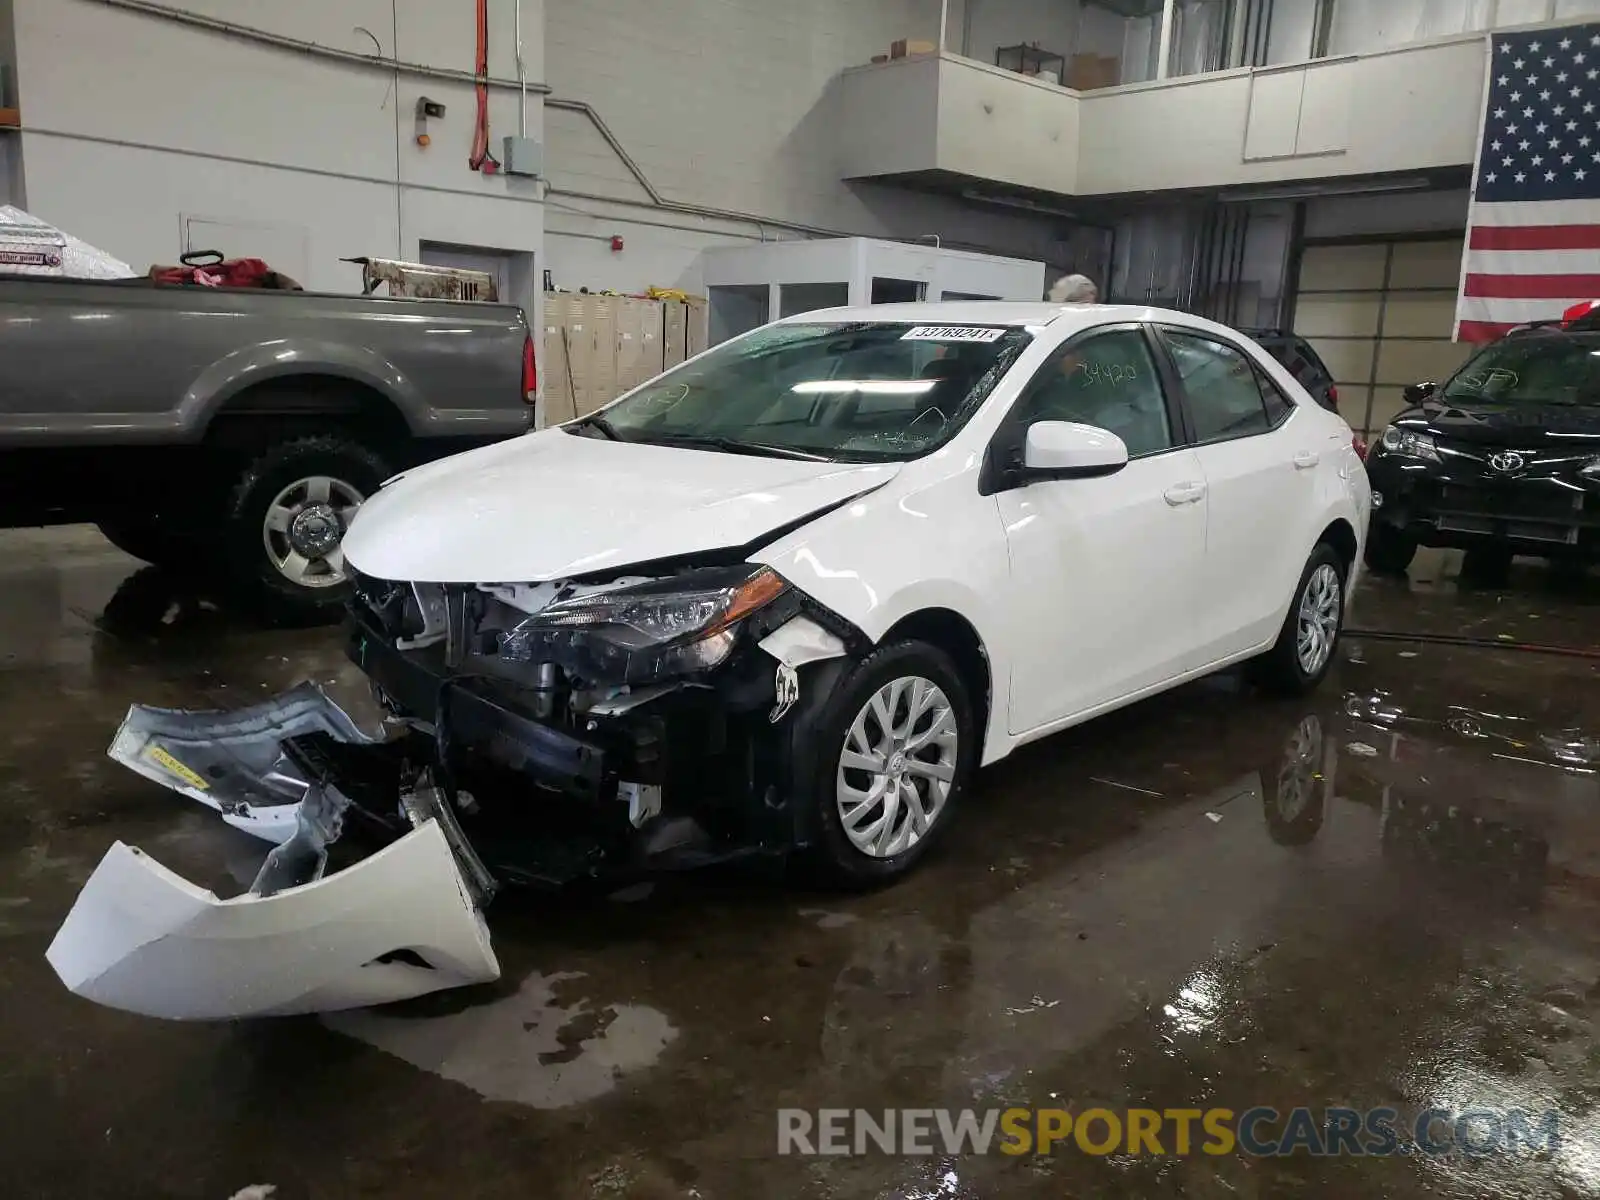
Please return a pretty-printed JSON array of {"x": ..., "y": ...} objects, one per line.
[{"x": 1259, "y": 454}]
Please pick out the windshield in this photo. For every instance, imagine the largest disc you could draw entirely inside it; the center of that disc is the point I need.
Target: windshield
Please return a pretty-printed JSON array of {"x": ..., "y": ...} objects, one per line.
[
  {"x": 859, "y": 392},
  {"x": 1554, "y": 368}
]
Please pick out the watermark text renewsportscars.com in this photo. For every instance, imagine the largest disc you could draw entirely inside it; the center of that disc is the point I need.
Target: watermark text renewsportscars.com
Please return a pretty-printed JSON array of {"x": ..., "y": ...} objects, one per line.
[{"x": 1260, "y": 1132}]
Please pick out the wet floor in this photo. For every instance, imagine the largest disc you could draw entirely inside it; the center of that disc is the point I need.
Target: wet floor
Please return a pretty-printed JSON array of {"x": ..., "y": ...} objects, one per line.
[{"x": 1386, "y": 896}]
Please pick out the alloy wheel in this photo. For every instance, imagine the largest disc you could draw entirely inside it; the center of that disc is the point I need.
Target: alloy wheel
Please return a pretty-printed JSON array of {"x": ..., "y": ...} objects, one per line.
[
  {"x": 1317, "y": 625},
  {"x": 304, "y": 527},
  {"x": 897, "y": 766}
]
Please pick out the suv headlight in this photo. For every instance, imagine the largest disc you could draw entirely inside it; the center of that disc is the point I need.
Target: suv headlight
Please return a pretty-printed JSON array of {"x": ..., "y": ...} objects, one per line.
[
  {"x": 671, "y": 626},
  {"x": 1410, "y": 443}
]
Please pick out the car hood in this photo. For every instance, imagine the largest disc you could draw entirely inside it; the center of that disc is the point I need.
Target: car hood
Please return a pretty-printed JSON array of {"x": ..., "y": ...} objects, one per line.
[
  {"x": 1522, "y": 424},
  {"x": 552, "y": 505}
]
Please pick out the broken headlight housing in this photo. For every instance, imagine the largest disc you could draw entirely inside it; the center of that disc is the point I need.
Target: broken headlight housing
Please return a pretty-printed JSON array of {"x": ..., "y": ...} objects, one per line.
[
  {"x": 1409, "y": 443},
  {"x": 673, "y": 626}
]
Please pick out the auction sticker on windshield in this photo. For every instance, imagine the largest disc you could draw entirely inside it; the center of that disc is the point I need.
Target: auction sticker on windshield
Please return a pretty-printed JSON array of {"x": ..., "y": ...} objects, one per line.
[{"x": 952, "y": 333}]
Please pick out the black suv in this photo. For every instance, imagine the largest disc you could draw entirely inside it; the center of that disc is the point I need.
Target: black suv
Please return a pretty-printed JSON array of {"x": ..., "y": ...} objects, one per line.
[
  {"x": 1301, "y": 361},
  {"x": 1503, "y": 459}
]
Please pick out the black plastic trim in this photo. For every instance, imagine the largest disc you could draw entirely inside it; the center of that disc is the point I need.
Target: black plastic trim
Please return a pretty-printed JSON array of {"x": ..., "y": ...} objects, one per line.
[{"x": 572, "y": 765}]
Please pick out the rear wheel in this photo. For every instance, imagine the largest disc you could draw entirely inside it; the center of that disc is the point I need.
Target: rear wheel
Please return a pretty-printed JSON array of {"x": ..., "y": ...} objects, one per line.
[
  {"x": 286, "y": 520},
  {"x": 1304, "y": 651},
  {"x": 1490, "y": 568},
  {"x": 154, "y": 543},
  {"x": 1389, "y": 552}
]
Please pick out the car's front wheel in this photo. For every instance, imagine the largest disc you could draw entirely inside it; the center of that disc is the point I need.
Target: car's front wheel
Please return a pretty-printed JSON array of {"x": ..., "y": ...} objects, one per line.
[
  {"x": 1306, "y": 644},
  {"x": 1389, "y": 552},
  {"x": 894, "y": 748}
]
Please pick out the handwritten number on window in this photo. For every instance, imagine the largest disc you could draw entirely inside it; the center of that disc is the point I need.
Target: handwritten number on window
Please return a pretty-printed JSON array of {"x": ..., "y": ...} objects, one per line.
[{"x": 1116, "y": 374}]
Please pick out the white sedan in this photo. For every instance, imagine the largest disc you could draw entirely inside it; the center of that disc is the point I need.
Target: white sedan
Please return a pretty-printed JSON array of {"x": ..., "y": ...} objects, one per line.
[{"x": 784, "y": 599}]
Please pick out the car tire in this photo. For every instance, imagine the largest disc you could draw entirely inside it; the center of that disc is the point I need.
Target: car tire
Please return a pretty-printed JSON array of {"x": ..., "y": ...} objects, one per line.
[
  {"x": 1293, "y": 666},
  {"x": 151, "y": 542},
  {"x": 1487, "y": 568},
  {"x": 1389, "y": 552},
  {"x": 932, "y": 752},
  {"x": 270, "y": 529}
]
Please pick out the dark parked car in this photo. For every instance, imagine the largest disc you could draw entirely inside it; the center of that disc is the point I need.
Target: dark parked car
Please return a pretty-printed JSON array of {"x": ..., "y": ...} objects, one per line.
[
  {"x": 1301, "y": 361},
  {"x": 1502, "y": 459}
]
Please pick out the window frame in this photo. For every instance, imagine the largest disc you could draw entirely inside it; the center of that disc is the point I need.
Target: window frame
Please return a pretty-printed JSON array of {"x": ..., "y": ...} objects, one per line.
[
  {"x": 1162, "y": 330},
  {"x": 1003, "y": 457}
]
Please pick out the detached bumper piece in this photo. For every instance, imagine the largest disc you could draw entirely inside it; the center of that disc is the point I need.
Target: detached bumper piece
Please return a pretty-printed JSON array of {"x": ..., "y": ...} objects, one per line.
[{"x": 401, "y": 923}]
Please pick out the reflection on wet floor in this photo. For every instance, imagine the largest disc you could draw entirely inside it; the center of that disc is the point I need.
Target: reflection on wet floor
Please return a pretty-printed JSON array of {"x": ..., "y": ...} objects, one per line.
[{"x": 1387, "y": 895}]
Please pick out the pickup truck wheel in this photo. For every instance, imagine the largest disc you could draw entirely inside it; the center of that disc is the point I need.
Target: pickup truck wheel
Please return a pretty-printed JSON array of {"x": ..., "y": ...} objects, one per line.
[
  {"x": 897, "y": 745},
  {"x": 149, "y": 541},
  {"x": 287, "y": 516}
]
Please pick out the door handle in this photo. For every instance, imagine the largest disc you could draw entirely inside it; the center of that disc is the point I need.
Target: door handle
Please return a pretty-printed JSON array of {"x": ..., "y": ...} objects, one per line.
[
  {"x": 1304, "y": 460},
  {"x": 1184, "y": 493}
]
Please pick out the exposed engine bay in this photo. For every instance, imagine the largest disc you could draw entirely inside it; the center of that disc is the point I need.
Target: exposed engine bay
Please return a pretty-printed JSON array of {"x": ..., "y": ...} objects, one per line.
[{"x": 539, "y": 735}]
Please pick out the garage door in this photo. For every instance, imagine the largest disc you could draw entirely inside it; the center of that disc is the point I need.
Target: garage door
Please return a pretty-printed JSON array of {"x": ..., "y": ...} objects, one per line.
[{"x": 1380, "y": 314}]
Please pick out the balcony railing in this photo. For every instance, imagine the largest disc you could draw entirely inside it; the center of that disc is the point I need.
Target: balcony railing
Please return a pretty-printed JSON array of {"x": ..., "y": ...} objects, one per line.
[{"x": 950, "y": 120}]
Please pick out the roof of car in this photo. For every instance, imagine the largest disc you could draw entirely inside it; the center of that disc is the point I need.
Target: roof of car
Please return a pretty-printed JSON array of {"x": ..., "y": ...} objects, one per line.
[{"x": 1005, "y": 312}]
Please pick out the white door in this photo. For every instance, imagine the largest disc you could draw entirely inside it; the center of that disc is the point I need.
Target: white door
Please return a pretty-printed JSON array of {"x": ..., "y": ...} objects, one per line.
[
  {"x": 1103, "y": 570},
  {"x": 1260, "y": 463}
]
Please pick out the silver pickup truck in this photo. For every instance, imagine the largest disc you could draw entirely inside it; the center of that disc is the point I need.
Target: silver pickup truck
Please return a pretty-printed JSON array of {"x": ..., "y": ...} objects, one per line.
[{"x": 233, "y": 432}]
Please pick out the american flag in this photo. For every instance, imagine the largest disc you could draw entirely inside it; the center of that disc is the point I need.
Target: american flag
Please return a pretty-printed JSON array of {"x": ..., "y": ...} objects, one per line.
[{"x": 1533, "y": 232}]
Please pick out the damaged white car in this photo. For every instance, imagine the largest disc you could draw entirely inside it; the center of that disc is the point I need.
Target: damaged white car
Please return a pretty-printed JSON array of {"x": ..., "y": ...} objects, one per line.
[{"x": 782, "y": 600}]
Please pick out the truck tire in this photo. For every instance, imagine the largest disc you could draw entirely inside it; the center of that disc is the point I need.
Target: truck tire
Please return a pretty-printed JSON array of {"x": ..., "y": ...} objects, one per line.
[
  {"x": 151, "y": 542},
  {"x": 286, "y": 515}
]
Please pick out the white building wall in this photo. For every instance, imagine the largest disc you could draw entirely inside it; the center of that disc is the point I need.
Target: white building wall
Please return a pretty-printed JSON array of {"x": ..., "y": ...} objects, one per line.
[
  {"x": 284, "y": 152},
  {"x": 729, "y": 104}
]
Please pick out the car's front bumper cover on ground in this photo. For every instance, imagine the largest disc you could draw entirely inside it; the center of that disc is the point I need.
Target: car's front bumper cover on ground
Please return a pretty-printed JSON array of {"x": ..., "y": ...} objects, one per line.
[{"x": 403, "y": 922}]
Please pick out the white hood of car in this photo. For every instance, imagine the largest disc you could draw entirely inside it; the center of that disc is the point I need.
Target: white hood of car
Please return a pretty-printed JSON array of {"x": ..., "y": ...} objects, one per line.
[{"x": 551, "y": 505}]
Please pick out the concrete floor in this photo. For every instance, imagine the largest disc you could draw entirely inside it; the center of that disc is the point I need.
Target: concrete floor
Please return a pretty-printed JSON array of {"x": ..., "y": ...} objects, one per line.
[{"x": 1135, "y": 913}]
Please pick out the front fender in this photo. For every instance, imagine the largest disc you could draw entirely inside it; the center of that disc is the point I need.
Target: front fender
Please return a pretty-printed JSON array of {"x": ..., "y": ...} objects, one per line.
[{"x": 895, "y": 552}]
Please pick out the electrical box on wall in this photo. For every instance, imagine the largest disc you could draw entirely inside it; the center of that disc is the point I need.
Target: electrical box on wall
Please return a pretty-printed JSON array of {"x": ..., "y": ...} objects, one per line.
[{"x": 522, "y": 156}]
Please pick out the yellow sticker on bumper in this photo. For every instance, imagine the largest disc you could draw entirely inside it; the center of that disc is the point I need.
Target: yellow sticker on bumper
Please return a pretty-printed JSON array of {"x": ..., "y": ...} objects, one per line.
[{"x": 193, "y": 778}]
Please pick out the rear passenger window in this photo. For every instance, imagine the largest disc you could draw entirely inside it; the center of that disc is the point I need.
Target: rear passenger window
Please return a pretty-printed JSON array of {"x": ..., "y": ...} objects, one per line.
[
  {"x": 1278, "y": 405},
  {"x": 1223, "y": 386}
]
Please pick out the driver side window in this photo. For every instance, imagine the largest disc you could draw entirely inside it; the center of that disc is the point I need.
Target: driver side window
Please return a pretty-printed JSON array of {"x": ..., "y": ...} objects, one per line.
[{"x": 1107, "y": 380}]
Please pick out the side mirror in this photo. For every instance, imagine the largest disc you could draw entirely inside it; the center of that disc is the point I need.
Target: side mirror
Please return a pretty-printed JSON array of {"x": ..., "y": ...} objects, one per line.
[
  {"x": 1067, "y": 450},
  {"x": 1416, "y": 393}
]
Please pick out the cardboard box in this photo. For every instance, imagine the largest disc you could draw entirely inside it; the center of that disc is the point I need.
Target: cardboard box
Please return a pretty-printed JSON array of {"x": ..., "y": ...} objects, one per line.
[
  {"x": 909, "y": 46},
  {"x": 1085, "y": 72}
]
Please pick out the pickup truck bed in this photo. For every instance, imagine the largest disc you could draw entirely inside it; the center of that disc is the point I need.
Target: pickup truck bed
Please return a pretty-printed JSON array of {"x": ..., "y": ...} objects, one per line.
[{"x": 234, "y": 431}]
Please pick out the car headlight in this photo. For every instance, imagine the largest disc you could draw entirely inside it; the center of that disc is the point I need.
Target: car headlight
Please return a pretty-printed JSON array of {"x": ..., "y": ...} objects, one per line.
[
  {"x": 671, "y": 626},
  {"x": 1410, "y": 443},
  {"x": 1591, "y": 469}
]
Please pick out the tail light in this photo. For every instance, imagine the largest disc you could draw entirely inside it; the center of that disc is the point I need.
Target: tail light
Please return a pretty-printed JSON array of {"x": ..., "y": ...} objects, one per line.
[
  {"x": 1359, "y": 444},
  {"x": 1333, "y": 396},
  {"x": 530, "y": 372}
]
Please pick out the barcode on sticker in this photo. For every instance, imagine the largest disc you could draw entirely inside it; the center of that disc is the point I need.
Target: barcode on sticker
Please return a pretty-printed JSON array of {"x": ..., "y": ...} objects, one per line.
[{"x": 952, "y": 333}]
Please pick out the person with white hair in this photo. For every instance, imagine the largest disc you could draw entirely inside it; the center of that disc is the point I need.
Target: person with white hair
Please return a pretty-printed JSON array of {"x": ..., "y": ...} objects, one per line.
[{"x": 1074, "y": 289}]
